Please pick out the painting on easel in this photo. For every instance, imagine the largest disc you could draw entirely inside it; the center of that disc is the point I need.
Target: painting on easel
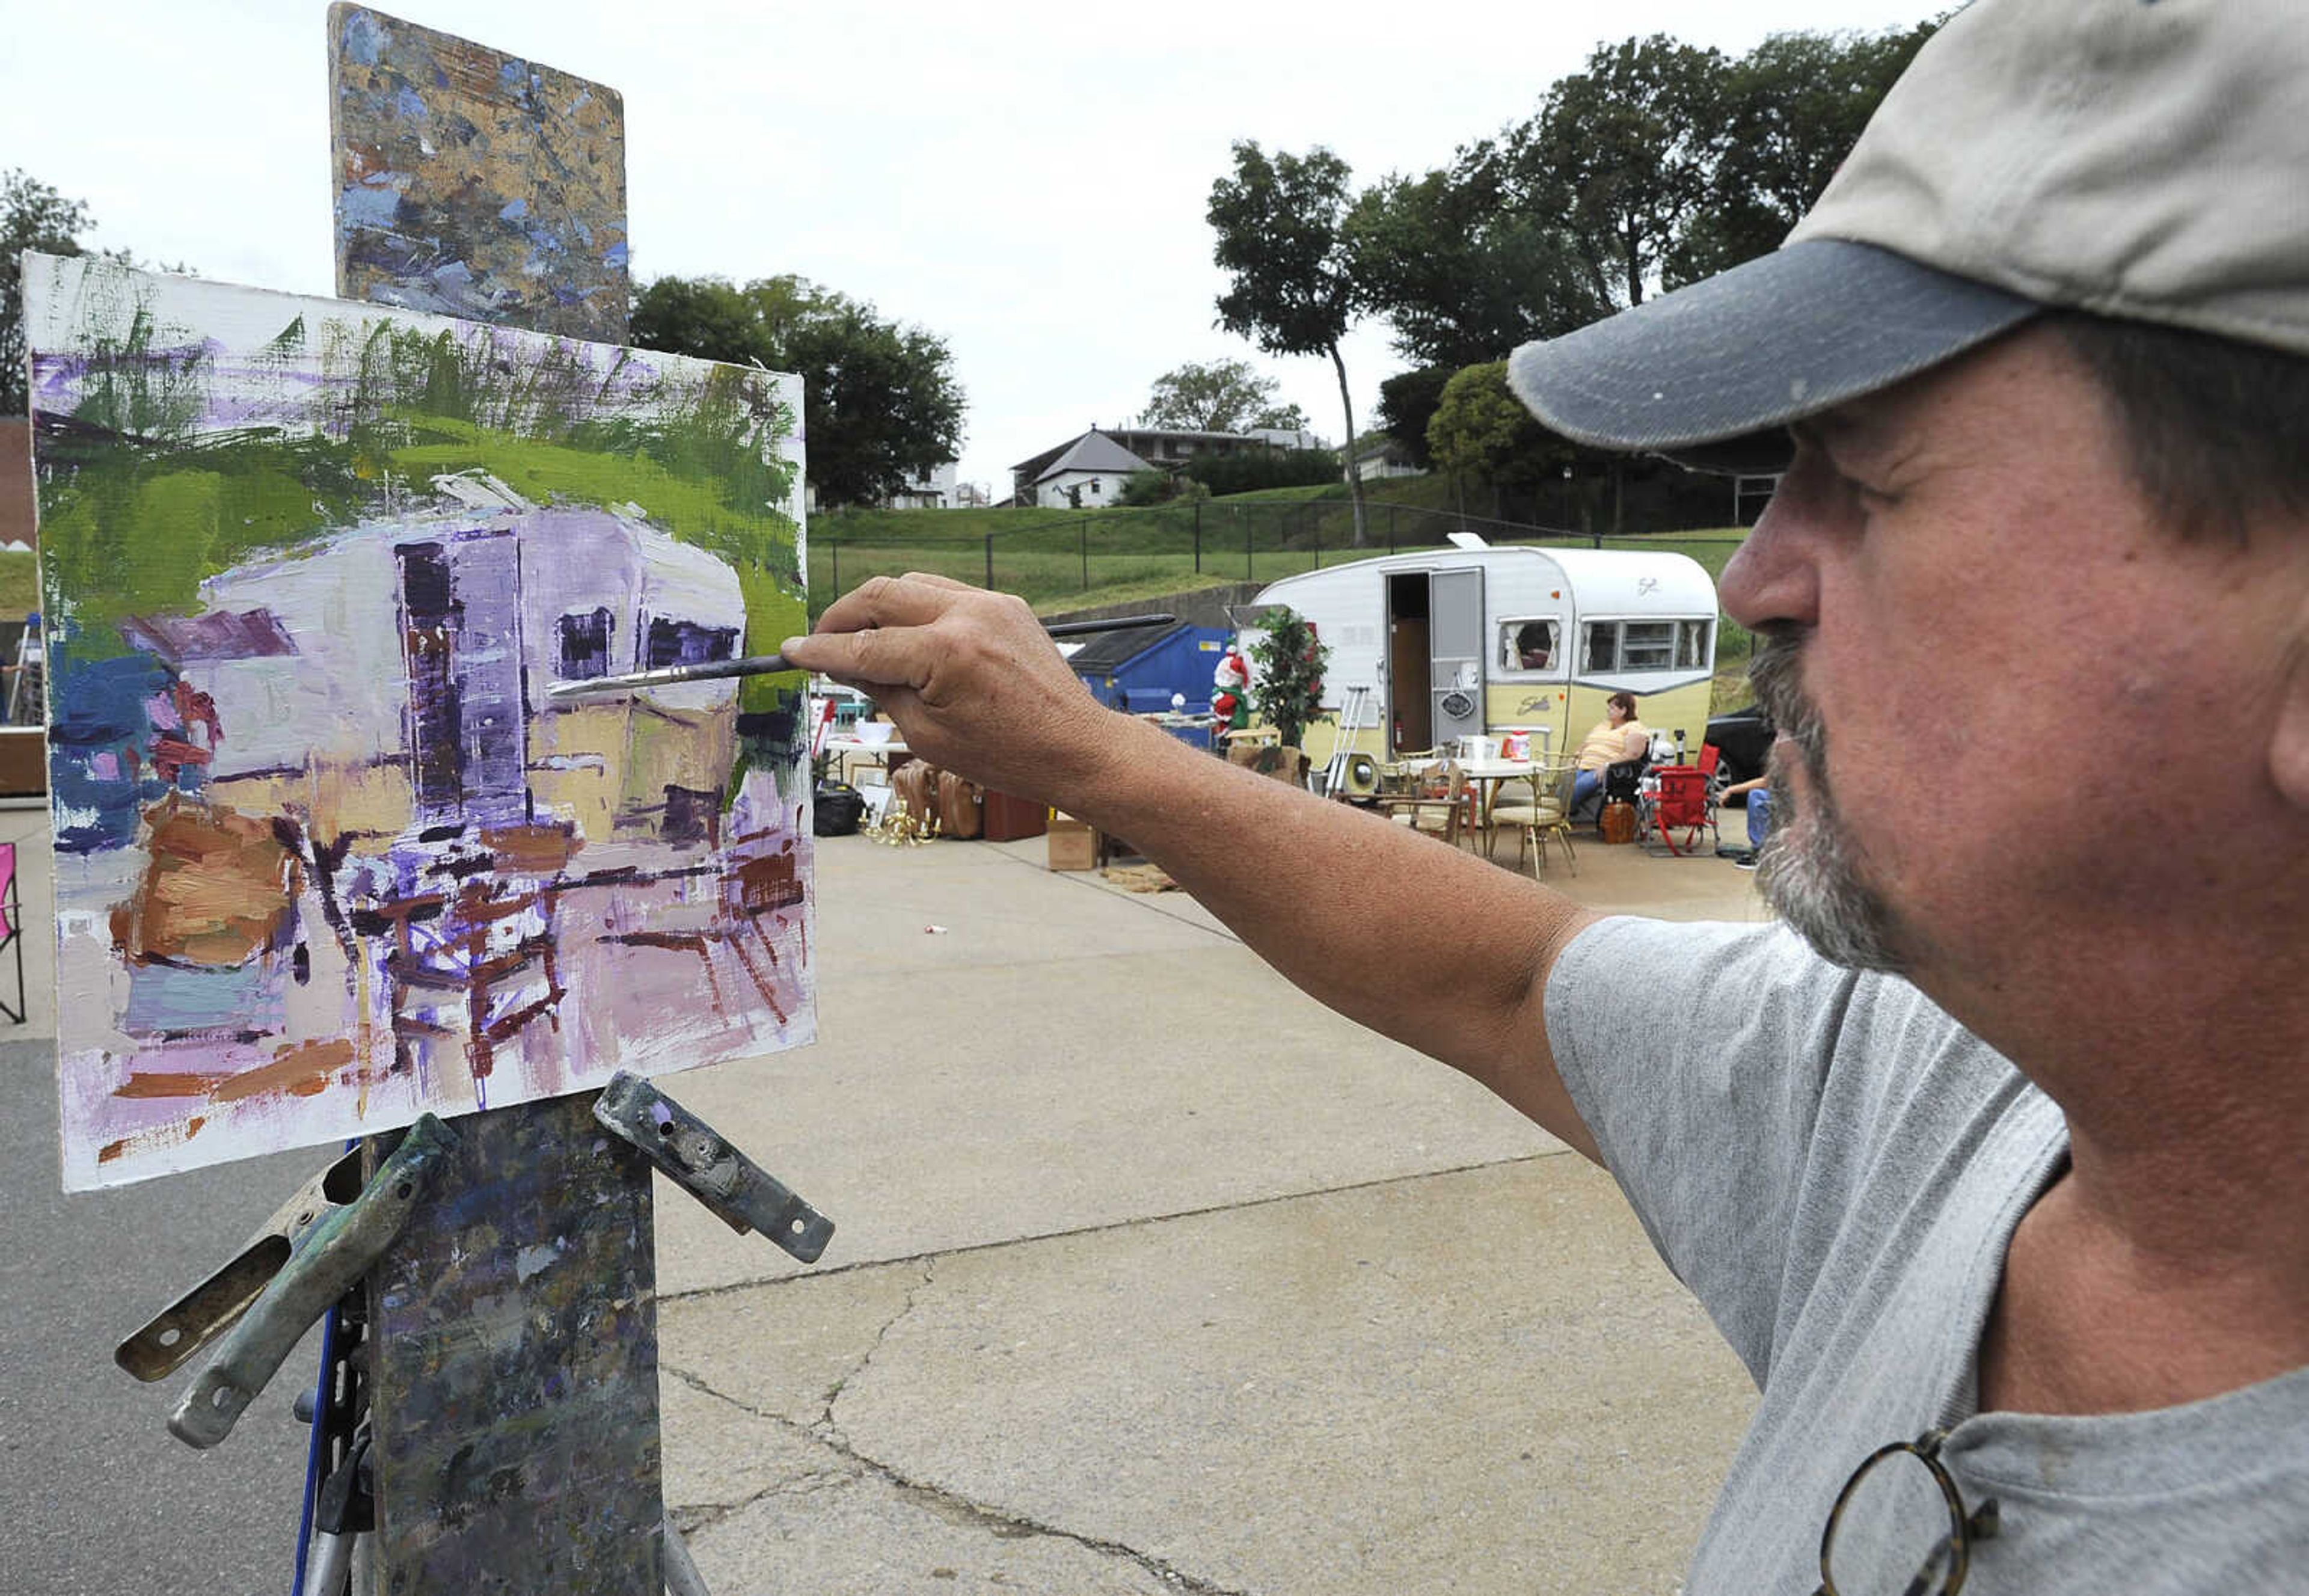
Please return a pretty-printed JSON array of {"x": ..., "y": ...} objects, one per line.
[{"x": 327, "y": 856}]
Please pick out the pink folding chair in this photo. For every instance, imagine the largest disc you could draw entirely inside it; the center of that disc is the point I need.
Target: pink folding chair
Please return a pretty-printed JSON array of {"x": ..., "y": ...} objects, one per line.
[{"x": 12, "y": 929}]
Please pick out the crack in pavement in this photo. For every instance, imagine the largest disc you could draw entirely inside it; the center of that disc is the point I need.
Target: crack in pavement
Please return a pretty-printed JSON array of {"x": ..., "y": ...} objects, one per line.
[
  {"x": 826, "y": 1429},
  {"x": 949, "y": 1505}
]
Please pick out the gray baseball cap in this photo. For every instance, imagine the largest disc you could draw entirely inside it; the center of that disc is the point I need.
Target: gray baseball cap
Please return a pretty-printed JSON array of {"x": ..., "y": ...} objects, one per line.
[{"x": 2140, "y": 159}]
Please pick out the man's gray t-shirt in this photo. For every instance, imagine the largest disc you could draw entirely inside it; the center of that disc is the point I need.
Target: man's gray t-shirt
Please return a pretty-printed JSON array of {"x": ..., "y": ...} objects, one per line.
[{"x": 1834, "y": 1167}]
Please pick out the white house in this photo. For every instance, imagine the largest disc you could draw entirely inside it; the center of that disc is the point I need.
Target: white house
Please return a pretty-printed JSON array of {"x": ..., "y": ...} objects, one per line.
[
  {"x": 1146, "y": 448},
  {"x": 1384, "y": 458},
  {"x": 932, "y": 490}
]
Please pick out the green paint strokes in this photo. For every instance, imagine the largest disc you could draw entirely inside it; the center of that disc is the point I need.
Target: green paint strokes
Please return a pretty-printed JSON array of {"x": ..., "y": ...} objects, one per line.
[
  {"x": 138, "y": 505},
  {"x": 139, "y": 390},
  {"x": 158, "y": 479},
  {"x": 132, "y": 531}
]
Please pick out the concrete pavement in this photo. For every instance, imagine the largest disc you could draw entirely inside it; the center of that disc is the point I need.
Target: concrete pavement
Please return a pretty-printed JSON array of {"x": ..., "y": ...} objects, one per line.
[
  {"x": 1150, "y": 1275},
  {"x": 1154, "y": 1275}
]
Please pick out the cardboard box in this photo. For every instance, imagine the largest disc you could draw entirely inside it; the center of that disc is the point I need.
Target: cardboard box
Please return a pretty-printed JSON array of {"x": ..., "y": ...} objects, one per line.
[
  {"x": 1073, "y": 844},
  {"x": 23, "y": 761}
]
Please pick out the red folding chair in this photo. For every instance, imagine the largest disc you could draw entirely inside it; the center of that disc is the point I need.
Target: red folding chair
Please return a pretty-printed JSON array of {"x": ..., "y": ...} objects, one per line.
[{"x": 1678, "y": 800}]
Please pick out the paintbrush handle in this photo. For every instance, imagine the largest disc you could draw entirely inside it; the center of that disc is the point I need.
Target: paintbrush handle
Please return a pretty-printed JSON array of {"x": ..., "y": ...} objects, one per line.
[
  {"x": 1075, "y": 629},
  {"x": 764, "y": 664},
  {"x": 759, "y": 665}
]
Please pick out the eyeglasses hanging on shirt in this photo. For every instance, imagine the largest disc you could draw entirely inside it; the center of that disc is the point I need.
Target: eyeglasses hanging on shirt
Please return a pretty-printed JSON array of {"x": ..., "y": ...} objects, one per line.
[{"x": 1899, "y": 1526}]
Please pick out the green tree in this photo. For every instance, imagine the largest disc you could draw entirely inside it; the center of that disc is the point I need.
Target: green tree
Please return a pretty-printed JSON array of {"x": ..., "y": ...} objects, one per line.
[
  {"x": 1406, "y": 403},
  {"x": 1630, "y": 147},
  {"x": 1223, "y": 397},
  {"x": 1142, "y": 488},
  {"x": 1480, "y": 429},
  {"x": 32, "y": 216},
  {"x": 1281, "y": 227},
  {"x": 880, "y": 402},
  {"x": 1286, "y": 675},
  {"x": 1793, "y": 107},
  {"x": 1469, "y": 260}
]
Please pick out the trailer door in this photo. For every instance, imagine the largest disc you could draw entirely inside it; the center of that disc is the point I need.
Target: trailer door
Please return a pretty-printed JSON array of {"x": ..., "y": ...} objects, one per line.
[{"x": 1456, "y": 642}]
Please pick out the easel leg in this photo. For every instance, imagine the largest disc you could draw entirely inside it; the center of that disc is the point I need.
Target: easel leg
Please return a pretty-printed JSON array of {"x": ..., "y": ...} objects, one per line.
[{"x": 681, "y": 1575}]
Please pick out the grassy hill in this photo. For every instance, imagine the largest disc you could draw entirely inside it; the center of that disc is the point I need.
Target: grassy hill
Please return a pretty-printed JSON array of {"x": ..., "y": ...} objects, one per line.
[{"x": 19, "y": 583}]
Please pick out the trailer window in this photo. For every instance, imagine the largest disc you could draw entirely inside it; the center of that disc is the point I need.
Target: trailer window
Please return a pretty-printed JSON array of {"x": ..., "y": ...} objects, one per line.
[
  {"x": 1601, "y": 651},
  {"x": 1527, "y": 644},
  {"x": 584, "y": 644},
  {"x": 1646, "y": 645},
  {"x": 1692, "y": 643},
  {"x": 1608, "y": 645},
  {"x": 686, "y": 643}
]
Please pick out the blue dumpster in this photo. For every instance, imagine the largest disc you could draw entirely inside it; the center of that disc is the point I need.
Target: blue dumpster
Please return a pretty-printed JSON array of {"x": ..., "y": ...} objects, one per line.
[{"x": 1138, "y": 671}]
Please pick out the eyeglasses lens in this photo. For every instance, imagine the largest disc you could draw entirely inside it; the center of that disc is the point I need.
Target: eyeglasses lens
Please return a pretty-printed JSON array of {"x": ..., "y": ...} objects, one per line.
[{"x": 1895, "y": 1534}]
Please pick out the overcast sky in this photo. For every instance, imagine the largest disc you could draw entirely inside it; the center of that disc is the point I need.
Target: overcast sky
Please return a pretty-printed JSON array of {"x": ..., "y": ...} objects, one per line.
[{"x": 1025, "y": 180}]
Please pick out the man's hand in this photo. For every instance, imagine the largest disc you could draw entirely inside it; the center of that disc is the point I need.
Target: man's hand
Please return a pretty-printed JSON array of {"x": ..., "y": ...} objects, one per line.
[{"x": 973, "y": 680}]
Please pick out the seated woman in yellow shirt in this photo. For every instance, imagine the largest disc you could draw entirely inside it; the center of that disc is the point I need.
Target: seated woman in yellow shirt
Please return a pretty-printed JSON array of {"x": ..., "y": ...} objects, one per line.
[{"x": 1619, "y": 736}]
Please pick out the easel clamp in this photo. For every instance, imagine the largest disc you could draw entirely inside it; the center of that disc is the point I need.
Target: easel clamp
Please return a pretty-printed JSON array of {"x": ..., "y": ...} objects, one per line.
[
  {"x": 289, "y": 1274},
  {"x": 696, "y": 1157},
  {"x": 167, "y": 1342}
]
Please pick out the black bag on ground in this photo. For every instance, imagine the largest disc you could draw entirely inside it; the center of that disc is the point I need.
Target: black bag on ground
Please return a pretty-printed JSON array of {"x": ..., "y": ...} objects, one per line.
[{"x": 836, "y": 810}]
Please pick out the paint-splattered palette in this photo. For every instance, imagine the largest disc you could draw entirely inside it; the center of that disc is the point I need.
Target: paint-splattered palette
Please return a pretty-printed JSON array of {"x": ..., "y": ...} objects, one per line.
[
  {"x": 475, "y": 183},
  {"x": 326, "y": 855}
]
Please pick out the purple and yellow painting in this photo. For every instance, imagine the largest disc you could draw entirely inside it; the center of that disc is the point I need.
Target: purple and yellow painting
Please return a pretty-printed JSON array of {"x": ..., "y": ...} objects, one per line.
[{"x": 327, "y": 855}]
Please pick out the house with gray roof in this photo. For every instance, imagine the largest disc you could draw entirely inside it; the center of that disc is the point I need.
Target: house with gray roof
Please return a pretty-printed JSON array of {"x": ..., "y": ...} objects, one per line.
[
  {"x": 1065, "y": 476},
  {"x": 1086, "y": 473}
]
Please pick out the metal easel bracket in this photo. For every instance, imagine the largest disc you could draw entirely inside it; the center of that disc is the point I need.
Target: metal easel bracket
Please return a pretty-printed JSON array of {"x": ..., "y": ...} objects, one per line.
[
  {"x": 314, "y": 1258},
  {"x": 700, "y": 1161},
  {"x": 167, "y": 1342}
]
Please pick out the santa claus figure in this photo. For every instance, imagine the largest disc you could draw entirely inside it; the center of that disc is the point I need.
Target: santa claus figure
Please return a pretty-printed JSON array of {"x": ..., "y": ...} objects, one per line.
[{"x": 1232, "y": 700}]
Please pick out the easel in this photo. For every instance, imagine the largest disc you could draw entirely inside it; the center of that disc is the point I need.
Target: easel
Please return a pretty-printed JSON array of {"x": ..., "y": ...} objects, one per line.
[
  {"x": 27, "y": 688},
  {"x": 485, "y": 1423}
]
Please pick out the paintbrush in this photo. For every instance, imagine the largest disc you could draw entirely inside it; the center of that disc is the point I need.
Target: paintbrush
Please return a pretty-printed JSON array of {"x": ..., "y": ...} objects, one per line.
[{"x": 764, "y": 664}]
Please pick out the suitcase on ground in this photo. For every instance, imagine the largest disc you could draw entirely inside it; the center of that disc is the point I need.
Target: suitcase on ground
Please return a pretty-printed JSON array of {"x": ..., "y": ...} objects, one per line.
[
  {"x": 836, "y": 810},
  {"x": 958, "y": 806},
  {"x": 1618, "y": 822}
]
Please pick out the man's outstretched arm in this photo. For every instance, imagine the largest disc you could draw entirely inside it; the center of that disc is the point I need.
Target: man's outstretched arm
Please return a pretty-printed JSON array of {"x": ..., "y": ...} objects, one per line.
[{"x": 1426, "y": 944}]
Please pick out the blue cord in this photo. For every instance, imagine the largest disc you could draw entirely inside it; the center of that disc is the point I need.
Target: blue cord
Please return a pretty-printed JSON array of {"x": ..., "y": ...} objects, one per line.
[{"x": 314, "y": 1447}]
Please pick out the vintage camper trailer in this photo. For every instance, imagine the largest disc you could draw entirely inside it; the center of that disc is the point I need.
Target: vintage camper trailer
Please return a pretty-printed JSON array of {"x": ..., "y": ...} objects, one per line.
[{"x": 1477, "y": 641}]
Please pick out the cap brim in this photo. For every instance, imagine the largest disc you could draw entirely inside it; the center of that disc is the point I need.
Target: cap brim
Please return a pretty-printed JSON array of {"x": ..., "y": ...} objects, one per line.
[{"x": 1699, "y": 373}]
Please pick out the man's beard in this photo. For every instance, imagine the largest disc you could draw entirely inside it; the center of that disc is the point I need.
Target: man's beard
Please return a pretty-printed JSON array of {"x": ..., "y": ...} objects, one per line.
[{"x": 1812, "y": 873}]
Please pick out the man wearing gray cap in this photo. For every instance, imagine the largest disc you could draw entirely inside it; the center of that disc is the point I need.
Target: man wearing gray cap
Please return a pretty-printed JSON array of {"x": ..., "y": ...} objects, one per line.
[{"x": 1993, "y": 1161}]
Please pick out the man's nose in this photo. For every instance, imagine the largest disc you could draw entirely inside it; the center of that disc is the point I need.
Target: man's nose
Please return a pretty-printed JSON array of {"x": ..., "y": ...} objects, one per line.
[{"x": 1772, "y": 577}]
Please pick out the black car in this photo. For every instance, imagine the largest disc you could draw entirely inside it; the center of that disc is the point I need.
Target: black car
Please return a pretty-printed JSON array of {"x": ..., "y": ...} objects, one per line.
[{"x": 1745, "y": 736}]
